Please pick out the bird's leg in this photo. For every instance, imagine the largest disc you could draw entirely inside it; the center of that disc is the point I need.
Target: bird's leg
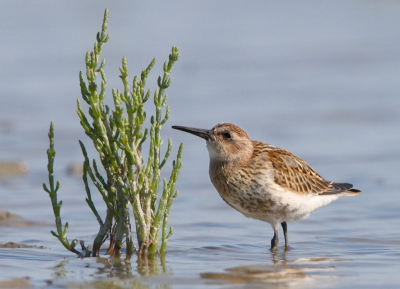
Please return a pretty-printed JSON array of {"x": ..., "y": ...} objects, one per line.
[
  {"x": 275, "y": 239},
  {"x": 274, "y": 242},
  {"x": 284, "y": 227}
]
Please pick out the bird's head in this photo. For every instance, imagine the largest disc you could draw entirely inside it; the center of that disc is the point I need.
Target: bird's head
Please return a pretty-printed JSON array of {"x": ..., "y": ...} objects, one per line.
[{"x": 226, "y": 142}]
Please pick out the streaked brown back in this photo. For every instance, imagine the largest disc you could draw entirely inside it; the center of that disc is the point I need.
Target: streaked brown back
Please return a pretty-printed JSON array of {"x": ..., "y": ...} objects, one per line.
[{"x": 295, "y": 174}]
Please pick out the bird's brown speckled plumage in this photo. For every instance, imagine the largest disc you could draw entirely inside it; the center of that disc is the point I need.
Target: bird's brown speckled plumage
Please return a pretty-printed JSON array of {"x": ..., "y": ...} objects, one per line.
[{"x": 262, "y": 181}]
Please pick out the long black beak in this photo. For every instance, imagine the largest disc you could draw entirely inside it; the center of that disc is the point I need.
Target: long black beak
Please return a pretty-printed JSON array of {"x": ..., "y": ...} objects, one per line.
[{"x": 203, "y": 133}]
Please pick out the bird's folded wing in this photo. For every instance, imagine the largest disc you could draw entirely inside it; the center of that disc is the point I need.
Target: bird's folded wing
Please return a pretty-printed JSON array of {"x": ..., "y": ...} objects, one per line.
[{"x": 295, "y": 174}]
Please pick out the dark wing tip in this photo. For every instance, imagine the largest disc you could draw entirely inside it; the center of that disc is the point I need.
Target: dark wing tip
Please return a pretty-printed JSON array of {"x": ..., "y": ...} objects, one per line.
[{"x": 337, "y": 188}]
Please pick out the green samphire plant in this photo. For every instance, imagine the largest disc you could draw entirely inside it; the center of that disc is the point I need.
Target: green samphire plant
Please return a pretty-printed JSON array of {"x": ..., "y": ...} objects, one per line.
[{"x": 130, "y": 182}]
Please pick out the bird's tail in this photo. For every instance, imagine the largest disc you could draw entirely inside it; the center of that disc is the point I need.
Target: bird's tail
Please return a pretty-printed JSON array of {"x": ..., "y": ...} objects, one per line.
[
  {"x": 351, "y": 193},
  {"x": 343, "y": 189}
]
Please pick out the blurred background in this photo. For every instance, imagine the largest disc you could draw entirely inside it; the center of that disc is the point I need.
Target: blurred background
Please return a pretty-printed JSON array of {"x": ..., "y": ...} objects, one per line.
[{"x": 318, "y": 78}]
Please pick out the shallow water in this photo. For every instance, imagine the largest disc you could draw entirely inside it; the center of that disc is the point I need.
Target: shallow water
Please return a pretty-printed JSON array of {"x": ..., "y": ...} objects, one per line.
[{"x": 318, "y": 79}]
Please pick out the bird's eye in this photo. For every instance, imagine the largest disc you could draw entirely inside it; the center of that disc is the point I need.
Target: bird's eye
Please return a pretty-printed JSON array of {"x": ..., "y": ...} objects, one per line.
[{"x": 227, "y": 135}]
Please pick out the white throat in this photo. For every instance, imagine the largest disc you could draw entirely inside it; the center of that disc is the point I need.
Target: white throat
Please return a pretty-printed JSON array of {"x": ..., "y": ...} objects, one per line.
[{"x": 212, "y": 152}]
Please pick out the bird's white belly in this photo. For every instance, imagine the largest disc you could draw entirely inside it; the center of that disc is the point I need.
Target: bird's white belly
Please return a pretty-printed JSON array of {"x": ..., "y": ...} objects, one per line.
[{"x": 275, "y": 204}]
